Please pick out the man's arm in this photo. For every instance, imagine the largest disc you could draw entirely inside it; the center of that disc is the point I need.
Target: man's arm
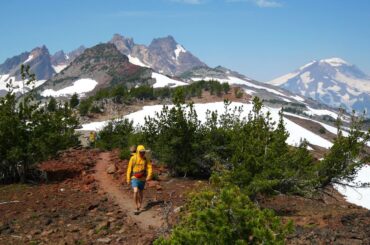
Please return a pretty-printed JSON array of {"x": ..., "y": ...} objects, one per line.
[
  {"x": 129, "y": 169},
  {"x": 149, "y": 170}
]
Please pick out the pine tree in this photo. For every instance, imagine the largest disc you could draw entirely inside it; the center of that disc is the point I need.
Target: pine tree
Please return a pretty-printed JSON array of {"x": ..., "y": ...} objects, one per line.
[
  {"x": 31, "y": 133},
  {"x": 52, "y": 105},
  {"x": 74, "y": 101}
]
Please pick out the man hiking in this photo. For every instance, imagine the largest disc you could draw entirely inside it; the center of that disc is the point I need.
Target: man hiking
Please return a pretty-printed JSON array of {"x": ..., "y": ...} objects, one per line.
[
  {"x": 92, "y": 139},
  {"x": 139, "y": 170}
]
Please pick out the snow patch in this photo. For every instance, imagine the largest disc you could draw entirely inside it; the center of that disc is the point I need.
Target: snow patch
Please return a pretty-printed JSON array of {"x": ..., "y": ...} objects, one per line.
[
  {"x": 285, "y": 99},
  {"x": 320, "y": 112},
  {"x": 93, "y": 126},
  {"x": 164, "y": 81},
  {"x": 298, "y": 98},
  {"x": 358, "y": 84},
  {"x": 307, "y": 65},
  {"x": 335, "y": 62},
  {"x": 80, "y": 87},
  {"x": 18, "y": 86},
  {"x": 283, "y": 79},
  {"x": 358, "y": 196},
  {"x": 306, "y": 78},
  {"x": 30, "y": 57},
  {"x": 59, "y": 68},
  {"x": 3, "y": 79},
  {"x": 136, "y": 61},
  {"x": 249, "y": 91},
  {"x": 179, "y": 49}
]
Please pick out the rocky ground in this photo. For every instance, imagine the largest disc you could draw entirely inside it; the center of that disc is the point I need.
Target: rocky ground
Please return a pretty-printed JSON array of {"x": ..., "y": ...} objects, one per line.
[
  {"x": 84, "y": 202},
  {"x": 324, "y": 219},
  {"x": 72, "y": 209}
]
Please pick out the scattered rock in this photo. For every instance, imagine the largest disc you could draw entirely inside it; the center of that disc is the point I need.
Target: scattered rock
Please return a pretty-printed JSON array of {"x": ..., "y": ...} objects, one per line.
[
  {"x": 104, "y": 240},
  {"x": 46, "y": 233},
  {"x": 102, "y": 225},
  {"x": 75, "y": 216},
  {"x": 91, "y": 232},
  {"x": 35, "y": 232},
  {"x": 93, "y": 206},
  {"x": 48, "y": 221},
  {"x": 122, "y": 230},
  {"x": 111, "y": 169},
  {"x": 177, "y": 210}
]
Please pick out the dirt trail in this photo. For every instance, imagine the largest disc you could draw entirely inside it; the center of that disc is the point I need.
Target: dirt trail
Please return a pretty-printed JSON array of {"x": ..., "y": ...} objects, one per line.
[{"x": 147, "y": 219}]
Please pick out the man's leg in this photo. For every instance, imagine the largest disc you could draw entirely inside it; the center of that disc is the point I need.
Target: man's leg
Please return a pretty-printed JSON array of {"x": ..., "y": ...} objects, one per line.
[
  {"x": 141, "y": 195},
  {"x": 137, "y": 197}
]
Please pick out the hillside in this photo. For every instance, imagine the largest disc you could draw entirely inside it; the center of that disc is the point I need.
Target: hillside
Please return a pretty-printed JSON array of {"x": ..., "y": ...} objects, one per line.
[
  {"x": 100, "y": 66},
  {"x": 75, "y": 207}
]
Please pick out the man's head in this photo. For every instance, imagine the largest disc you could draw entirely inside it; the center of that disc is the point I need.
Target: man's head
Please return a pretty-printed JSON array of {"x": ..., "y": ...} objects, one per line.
[{"x": 141, "y": 150}]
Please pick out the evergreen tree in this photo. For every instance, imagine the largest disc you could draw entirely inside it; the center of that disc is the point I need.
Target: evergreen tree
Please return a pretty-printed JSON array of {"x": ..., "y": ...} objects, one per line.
[
  {"x": 74, "y": 101},
  {"x": 226, "y": 87},
  {"x": 31, "y": 133},
  {"x": 52, "y": 105}
]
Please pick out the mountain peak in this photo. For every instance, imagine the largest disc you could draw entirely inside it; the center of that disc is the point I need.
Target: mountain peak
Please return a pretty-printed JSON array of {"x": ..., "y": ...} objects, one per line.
[
  {"x": 331, "y": 81},
  {"x": 335, "y": 61},
  {"x": 168, "y": 41},
  {"x": 123, "y": 44}
]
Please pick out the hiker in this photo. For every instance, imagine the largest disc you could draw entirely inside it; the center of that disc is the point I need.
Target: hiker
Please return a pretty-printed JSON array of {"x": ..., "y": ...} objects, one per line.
[
  {"x": 139, "y": 170},
  {"x": 92, "y": 139}
]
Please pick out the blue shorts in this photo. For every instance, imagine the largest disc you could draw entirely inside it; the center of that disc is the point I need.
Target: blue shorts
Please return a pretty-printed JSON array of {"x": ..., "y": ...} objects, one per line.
[{"x": 138, "y": 183}]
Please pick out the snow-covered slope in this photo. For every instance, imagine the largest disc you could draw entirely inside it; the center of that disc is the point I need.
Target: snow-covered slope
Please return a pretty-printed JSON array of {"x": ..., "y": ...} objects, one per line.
[
  {"x": 201, "y": 109},
  {"x": 358, "y": 196},
  {"x": 80, "y": 87},
  {"x": 59, "y": 68},
  {"x": 136, "y": 61},
  {"x": 164, "y": 81},
  {"x": 333, "y": 82},
  {"x": 18, "y": 85}
]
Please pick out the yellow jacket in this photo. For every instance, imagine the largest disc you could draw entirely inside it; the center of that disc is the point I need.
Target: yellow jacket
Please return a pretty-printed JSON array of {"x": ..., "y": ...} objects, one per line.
[{"x": 138, "y": 164}]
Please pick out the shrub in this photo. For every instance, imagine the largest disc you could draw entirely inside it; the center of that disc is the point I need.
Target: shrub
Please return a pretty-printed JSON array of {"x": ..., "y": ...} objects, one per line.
[
  {"x": 322, "y": 130},
  {"x": 95, "y": 109},
  {"x": 125, "y": 153},
  {"x": 116, "y": 134},
  {"x": 226, "y": 216},
  {"x": 238, "y": 92}
]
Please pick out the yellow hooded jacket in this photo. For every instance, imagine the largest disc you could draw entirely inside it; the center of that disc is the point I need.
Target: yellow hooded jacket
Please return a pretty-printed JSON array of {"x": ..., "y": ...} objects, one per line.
[{"x": 138, "y": 164}]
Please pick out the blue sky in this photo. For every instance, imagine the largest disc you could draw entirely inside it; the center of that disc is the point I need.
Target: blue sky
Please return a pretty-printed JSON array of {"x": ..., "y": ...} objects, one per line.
[{"x": 262, "y": 39}]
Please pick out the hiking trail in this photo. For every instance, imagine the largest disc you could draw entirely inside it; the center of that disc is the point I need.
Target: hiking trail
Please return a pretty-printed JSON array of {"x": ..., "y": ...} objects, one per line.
[{"x": 147, "y": 219}]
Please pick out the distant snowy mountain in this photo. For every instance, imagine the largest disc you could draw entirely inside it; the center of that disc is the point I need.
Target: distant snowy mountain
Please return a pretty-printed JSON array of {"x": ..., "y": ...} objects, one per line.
[
  {"x": 333, "y": 82},
  {"x": 163, "y": 55}
]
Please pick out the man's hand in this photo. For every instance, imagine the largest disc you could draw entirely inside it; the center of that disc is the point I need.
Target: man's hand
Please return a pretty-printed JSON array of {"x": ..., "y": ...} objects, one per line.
[{"x": 148, "y": 179}]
